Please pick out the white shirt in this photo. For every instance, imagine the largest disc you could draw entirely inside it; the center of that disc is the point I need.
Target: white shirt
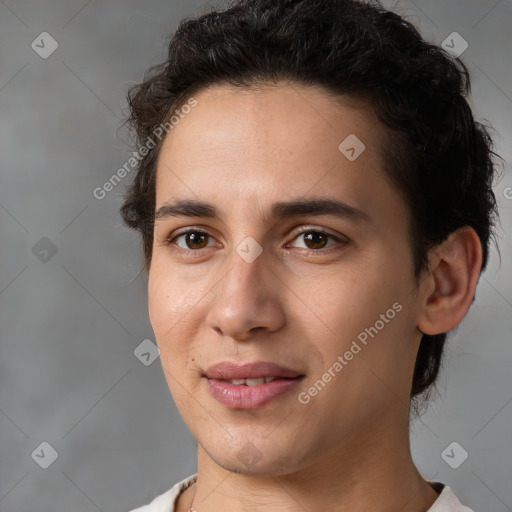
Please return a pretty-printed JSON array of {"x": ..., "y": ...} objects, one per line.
[{"x": 166, "y": 502}]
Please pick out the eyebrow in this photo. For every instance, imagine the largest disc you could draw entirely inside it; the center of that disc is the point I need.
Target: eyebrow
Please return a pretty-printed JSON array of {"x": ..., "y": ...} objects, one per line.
[{"x": 280, "y": 210}]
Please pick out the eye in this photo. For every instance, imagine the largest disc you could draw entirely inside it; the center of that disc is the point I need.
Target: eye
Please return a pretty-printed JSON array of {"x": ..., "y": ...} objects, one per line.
[
  {"x": 190, "y": 239},
  {"x": 193, "y": 240},
  {"x": 315, "y": 240}
]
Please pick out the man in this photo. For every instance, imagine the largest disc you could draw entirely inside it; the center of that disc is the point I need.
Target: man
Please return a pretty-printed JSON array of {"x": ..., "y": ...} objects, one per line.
[{"x": 315, "y": 203}]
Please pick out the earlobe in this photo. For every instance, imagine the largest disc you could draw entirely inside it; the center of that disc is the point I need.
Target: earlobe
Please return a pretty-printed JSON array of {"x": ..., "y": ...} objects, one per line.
[{"x": 450, "y": 287}]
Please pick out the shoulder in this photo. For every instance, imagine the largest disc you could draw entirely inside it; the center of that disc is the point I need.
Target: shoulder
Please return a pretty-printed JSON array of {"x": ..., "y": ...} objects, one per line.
[
  {"x": 165, "y": 502},
  {"x": 447, "y": 501}
]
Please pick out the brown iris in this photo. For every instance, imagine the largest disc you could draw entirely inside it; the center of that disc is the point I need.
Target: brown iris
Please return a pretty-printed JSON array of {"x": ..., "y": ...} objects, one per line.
[
  {"x": 196, "y": 239},
  {"x": 317, "y": 239}
]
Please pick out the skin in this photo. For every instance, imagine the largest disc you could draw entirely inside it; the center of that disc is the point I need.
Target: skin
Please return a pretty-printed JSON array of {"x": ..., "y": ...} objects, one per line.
[{"x": 297, "y": 304}]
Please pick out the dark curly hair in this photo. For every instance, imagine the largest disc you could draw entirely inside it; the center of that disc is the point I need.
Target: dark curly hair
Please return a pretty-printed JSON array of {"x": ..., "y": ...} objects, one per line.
[{"x": 437, "y": 155}]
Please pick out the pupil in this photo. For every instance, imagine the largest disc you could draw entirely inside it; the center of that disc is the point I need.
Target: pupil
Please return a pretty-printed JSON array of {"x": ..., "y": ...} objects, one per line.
[
  {"x": 193, "y": 239},
  {"x": 314, "y": 238}
]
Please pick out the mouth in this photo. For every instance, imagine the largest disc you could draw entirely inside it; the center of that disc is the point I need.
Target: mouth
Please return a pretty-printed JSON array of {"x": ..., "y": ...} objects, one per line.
[
  {"x": 248, "y": 371},
  {"x": 254, "y": 381},
  {"x": 252, "y": 385}
]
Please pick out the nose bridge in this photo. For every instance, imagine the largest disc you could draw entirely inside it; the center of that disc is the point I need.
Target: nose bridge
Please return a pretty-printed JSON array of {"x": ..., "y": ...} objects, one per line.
[
  {"x": 247, "y": 260},
  {"x": 244, "y": 298},
  {"x": 247, "y": 265}
]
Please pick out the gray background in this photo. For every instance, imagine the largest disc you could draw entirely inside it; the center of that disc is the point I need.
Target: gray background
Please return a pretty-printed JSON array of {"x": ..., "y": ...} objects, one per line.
[{"x": 70, "y": 325}]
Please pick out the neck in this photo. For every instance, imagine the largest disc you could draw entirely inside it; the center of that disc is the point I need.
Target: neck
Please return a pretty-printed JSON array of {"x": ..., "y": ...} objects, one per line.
[{"x": 366, "y": 474}]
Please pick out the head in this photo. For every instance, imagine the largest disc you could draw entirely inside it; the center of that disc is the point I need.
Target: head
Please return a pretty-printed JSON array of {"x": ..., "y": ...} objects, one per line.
[{"x": 272, "y": 102}]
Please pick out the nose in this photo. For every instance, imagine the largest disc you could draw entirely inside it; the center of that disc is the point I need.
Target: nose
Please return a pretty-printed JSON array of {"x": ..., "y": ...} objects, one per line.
[{"x": 247, "y": 299}]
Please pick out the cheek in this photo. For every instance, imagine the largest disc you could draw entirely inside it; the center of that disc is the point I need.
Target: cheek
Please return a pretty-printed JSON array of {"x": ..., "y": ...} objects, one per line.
[
  {"x": 159, "y": 300},
  {"x": 347, "y": 299},
  {"x": 168, "y": 305},
  {"x": 368, "y": 303}
]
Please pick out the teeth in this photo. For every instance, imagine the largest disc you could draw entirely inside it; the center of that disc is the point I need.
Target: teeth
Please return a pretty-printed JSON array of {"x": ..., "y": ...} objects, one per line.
[
  {"x": 255, "y": 382},
  {"x": 251, "y": 382}
]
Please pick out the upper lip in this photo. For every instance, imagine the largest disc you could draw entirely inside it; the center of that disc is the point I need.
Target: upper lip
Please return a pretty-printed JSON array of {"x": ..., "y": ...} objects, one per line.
[{"x": 226, "y": 370}]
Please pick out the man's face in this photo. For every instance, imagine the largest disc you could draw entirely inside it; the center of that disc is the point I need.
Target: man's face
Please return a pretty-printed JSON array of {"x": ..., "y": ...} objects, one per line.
[{"x": 330, "y": 297}]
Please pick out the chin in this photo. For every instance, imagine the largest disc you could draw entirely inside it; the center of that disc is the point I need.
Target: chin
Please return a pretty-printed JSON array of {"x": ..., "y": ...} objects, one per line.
[
  {"x": 260, "y": 458},
  {"x": 262, "y": 468}
]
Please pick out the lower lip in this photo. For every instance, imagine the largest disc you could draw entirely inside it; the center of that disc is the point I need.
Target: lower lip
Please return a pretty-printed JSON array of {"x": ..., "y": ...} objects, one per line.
[{"x": 241, "y": 396}]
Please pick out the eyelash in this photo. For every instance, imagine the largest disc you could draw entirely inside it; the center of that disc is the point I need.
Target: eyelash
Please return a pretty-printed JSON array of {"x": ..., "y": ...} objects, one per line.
[{"x": 169, "y": 241}]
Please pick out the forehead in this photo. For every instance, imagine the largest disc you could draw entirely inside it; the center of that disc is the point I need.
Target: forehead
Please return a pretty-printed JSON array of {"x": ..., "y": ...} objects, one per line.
[
  {"x": 283, "y": 116},
  {"x": 270, "y": 142}
]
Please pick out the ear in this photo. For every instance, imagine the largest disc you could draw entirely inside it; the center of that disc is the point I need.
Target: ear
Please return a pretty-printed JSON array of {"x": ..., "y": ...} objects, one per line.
[{"x": 449, "y": 288}]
